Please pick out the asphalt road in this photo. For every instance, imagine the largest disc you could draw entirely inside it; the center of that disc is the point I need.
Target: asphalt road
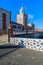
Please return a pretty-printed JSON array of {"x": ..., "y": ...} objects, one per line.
[{"x": 20, "y": 56}]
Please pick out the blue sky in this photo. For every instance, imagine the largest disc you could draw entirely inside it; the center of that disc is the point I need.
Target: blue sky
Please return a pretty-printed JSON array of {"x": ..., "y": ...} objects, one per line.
[{"x": 34, "y": 9}]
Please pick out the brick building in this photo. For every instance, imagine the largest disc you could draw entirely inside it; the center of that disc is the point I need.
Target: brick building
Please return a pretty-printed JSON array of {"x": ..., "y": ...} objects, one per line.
[{"x": 5, "y": 18}]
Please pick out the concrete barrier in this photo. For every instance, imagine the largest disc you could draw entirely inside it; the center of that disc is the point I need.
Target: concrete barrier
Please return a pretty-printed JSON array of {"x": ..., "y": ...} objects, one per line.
[{"x": 36, "y": 44}]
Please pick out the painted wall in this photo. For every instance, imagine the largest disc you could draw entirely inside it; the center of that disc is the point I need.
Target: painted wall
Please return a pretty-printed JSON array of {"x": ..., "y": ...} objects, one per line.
[{"x": 36, "y": 44}]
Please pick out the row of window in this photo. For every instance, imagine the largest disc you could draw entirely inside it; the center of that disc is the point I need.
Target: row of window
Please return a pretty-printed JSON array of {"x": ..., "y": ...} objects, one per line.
[{"x": 16, "y": 27}]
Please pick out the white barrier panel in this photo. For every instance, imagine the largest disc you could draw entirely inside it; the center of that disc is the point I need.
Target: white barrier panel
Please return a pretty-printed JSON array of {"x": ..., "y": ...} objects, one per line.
[
  {"x": 19, "y": 33},
  {"x": 36, "y": 44}
]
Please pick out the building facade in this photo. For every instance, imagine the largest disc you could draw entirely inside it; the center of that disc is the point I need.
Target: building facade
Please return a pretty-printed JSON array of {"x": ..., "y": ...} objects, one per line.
[
  {"x": 22, "y": 18},
  {"x": 16, "y": 26},
  {"x": 30, "y": 27},
  {"x": 5, "y": 18}
]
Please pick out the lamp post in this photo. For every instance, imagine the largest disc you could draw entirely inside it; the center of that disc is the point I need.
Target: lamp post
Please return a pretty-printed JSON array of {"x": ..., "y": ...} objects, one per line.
[{"x": 9, "y": 28}]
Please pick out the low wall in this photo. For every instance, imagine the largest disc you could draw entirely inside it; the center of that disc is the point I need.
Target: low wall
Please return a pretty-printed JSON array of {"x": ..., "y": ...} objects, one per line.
[
  {"x": 36, "y": 44},
  {"x": 3, "y": 39},
  {"x": 2, "y": 32}
]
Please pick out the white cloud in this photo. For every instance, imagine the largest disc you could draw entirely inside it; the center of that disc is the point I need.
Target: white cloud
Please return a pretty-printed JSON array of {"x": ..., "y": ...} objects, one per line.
[{"x": 30, "y": 16}]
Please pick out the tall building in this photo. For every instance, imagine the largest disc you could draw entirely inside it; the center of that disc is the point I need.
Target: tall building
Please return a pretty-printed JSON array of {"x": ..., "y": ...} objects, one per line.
[
  {"x": 5, "y": 18},
  {"x": 21, "y": 22},
  {"x": 22, "y": 18}
]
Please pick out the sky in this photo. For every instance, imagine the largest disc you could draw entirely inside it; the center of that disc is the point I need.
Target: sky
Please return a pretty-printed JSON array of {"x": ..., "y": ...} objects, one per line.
[{"x": 33, "y": 8}]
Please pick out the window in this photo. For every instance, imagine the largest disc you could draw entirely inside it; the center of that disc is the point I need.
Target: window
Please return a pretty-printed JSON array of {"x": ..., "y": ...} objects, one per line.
[
  {"x": 19, "y": 26},
  {"x": 19, "y": 18},
  {"x": 14, "y": 26}
]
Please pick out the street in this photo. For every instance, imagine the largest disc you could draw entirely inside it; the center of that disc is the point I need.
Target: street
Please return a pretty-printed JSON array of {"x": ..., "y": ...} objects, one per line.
[{"x": 20, "y": 56}]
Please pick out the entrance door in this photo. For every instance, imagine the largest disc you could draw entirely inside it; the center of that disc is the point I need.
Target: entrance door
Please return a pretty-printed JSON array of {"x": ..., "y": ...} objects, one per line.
[{"x": 4, "y": 21}]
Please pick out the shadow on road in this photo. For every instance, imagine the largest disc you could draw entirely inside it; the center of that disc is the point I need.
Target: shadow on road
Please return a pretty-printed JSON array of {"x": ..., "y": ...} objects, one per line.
[
  {"x": 8, "y": 52},
  {"x": 9, "y": 46}
]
